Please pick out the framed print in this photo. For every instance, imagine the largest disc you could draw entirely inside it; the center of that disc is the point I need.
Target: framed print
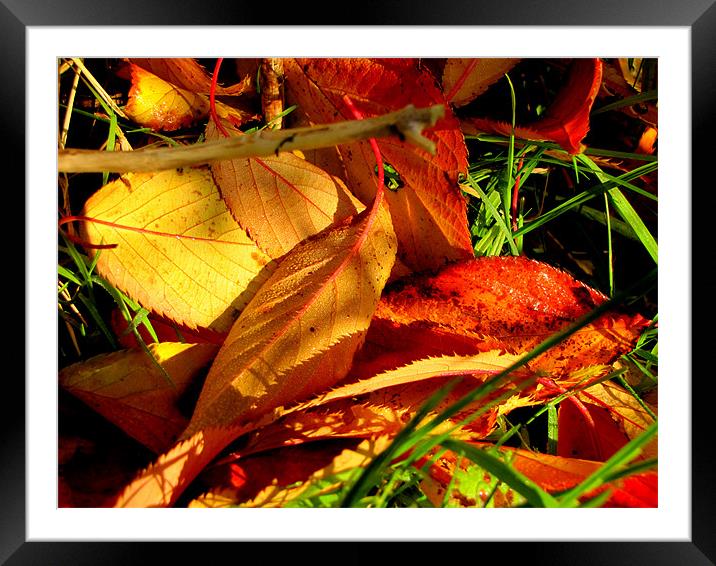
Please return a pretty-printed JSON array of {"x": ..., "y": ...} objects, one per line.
[{"x": 537, "y": 415}]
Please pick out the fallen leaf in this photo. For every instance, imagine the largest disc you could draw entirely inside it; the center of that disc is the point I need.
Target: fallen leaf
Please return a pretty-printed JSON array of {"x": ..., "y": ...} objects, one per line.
[
  {"x": 165, "y": 480},
  {"x": 566, "y": 120},
  {"x": 160, "y": 105},
  {"x": 428, "y": 212},
  {"x": 555, "y": 474},
  {"x": 509, "y": 302},
  {"x": 299, "y": 333},
  {"x": 179, "y": 251},
  {"x": 234, "y": 483},
  {"x": 617, "y": 413},
  {"x": 129, "y": 389},
  {"x": 188, "y": 74},
  {"x": 465, "y": 79},
  {"x": 347, "y": 461},
  {"x": 591, "y": 436},
  {"x": 165, "y": 329},
  {"x": 280, "y": 200},
  {"x": 385, "y": 402}
]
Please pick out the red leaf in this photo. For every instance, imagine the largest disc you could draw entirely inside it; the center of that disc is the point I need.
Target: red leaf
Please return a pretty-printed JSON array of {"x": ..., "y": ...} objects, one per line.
[
  {"x": 428, "y": 212},
  {"x": 566, "y": 121},
  {"x": 579, "y": 438},
  {"x": 555, "y": 474},
  {"x": 509, "y": 302}
]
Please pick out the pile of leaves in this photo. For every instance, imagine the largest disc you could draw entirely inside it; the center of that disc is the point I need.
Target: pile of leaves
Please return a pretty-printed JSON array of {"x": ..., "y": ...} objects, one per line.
[{"x": 363, "y": 324}]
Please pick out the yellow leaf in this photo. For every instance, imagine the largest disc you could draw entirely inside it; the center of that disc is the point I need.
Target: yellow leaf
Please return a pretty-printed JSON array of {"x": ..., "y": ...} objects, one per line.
[
  {"x": 280, "y": 200},
  {"x": 179, "y": 252},
  {"x": 160, "y": 105},
  {"x": 129, "y": 389},
  {"x": 299, "y": 333},
  {"x": 187, "y": 73}
]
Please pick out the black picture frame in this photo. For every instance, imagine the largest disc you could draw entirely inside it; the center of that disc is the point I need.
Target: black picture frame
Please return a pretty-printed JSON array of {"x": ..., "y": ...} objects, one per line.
[{"x": 698, "y": 15}]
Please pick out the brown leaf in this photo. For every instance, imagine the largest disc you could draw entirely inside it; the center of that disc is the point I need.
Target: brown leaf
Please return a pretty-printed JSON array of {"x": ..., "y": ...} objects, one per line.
[
  {"x": 130, "y": 390},
  {"x": 280, "y": 200},
  {"x": 428, "y": 212},
  {"x": 465, "y": 79},
  {"x": 179, "y": 252}
]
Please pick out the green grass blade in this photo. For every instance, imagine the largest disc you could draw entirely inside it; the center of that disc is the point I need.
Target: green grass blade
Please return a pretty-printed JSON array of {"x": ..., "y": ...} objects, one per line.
[
  {"x": 495, "y": 214},
  {"x": 552, "y": 429},
  {"x": 507, "y": 189},
  {"x": 94, "y": 313},
  {"x": 67, "y": 274},
  {"x": 595, "y": 151},
  {"x": 647, "y": 96},
  {"x": 627, "y": 212},
  {"x": 583, "y": 197},
  {"x": 370, "y": 473},
  {"x": 507, "y": 474}
]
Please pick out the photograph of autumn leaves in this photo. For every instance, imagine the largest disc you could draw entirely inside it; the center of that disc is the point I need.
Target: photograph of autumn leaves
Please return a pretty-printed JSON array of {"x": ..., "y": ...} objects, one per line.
[{"x": 341, "y": 282}]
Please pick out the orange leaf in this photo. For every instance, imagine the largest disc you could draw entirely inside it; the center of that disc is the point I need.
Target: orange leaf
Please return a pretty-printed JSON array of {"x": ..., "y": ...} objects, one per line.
[
  {"x": 593, "y": 436},
  {"x": 509, "y": 302},
  {"x": 280, "y": 200},
  {"x": 566, "y": 121},
  {"x": 278, "y": 493},
  {"x": 466, "y": 79},
  {"x": 129, "y": 390},
  {"x": 385, "y": 402},
  {"x": 164, "y": 481},
  {"x": 179, "y": 253},
  {"x": 556, "y": 474},
  {"x": 160, "y": 105},
  {"x": 299, "y": 333},
  {"x": 233, "y": 483},
  {"x": 188, "y": 74},
  {"x": 428, "y": 212},
  {"x": 296, "y": 337}
]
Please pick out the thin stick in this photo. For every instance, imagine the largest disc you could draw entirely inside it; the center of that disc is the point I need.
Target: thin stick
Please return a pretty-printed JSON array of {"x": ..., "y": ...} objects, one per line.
[
  {"x": 68, "y": 110},
  {"x": 98, "y": 87},
  {"x": 406, "y": 123}
]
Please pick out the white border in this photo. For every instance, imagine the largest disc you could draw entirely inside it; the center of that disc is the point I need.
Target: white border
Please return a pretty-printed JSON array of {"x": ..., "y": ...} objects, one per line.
[{"x": 671, "y": 521}]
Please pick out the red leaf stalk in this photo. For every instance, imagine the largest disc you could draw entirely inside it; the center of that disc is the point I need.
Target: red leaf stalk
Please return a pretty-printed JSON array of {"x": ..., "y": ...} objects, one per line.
[
  {"x": 515, "y": 194},
  {"x": 75, "y": 240},
  {"x": 212, "y": 98},
  {"x": 67, "y": 219},
  {"x": 458, "y": 84},
  {"x": 358, "y": 115}
]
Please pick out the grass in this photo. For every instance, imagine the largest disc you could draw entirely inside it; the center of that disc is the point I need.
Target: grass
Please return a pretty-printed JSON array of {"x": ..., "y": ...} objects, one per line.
[{"x": 522, "y": 195}]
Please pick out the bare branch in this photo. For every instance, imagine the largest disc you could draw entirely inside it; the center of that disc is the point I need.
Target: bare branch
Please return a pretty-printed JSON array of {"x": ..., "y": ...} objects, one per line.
[{"x": 407, "y": 124}]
